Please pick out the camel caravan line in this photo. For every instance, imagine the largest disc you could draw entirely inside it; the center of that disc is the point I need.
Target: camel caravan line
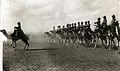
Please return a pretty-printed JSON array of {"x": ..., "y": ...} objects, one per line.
[{"x": 80, "y": 34}]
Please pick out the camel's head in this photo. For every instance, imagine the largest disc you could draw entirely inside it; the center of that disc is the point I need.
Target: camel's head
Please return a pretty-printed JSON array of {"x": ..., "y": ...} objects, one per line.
[
  {"x": 51, "y": 31},
  {"x": 46, "y": 32},
  {"x": 3, "y": 31}
]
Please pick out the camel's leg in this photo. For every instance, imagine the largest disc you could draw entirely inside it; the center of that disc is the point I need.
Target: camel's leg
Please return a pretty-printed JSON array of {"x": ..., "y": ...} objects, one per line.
[
  {"x": 25, "y": 46},
  {"x": 11, "y": 43},
  {"x": 63, "y": 41},
  {"x": 104, "y": 44},
  {"x": 78, "y": 42},
  {"x": 97, "y": 41},
  {"x": 69, "y": 42},
  {"x": 15, "y": 44},
  {"x": 82, "y": 41},
  {"x": 118, "y": 46},
  {"x": 74, "y": 40},
  {"x": 114, "y": 43},
  {"x": 51, "y": 41},
  {"x": 94, "y": 42},
  {"x": 110, "y": 44}
]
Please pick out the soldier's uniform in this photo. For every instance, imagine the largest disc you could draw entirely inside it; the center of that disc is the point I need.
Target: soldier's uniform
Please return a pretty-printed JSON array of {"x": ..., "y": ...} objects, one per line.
[
  {"x": 64, "y": 29},
  {"x": 113, "y": 25},
  {"x": 81, "y": 27},
  {"x": 113, "y": 22},
  {"x": 104, "y": 23},
  {"x": 98, "y": 25},
  {"x": 59, "y": 29},
  {"x": 17, "y": 31},
  {"x": 89, "y": 27}
]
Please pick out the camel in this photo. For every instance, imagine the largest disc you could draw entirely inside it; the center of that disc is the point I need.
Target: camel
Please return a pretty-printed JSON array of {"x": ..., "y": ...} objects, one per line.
[
  {"x": 50, "y": 36},
  {"x": 24, "y": 38}
]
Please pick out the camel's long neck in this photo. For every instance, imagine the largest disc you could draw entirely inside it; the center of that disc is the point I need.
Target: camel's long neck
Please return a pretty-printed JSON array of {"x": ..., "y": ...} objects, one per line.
[{"x": 8, "y": 36}]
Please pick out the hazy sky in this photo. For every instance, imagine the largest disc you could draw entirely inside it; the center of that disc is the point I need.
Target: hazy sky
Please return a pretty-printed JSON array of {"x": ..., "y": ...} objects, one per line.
[{"x": 42, "y": 15}]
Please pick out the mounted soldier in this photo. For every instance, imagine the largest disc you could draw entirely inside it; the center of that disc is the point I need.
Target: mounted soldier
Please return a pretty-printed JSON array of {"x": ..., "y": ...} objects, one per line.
[
  {"x": 86, "y": 25},
  {"x": 64, "y": 30},
  {"x": 20, "y": 32},
  {"x": 17, "y": 31},
  {"x": 98, "y": 25},
  {"x": 113, "y": 20},
  {"x": 53, "y": 31},
  {"x": 113, "y": 25},
  {"x": 78, "y": 24},
  {"x": 78, "y": 27},
  {"x": 81, "y": 27},
  {"x": 53, "y": 28},
  {"x": 58, "y": 29},
  {"x": 74, "y": 25},
  {"x": 89, "y": 27},
  {"x": 104, "y": 23}
]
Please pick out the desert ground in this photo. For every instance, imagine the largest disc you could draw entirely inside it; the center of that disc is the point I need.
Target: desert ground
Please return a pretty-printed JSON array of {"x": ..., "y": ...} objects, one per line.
[{"x": 42, "y": 56}]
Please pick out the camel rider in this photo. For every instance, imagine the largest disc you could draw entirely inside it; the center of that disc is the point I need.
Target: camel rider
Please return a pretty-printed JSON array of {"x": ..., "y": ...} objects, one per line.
[
  {"x": 59, "y": 29},
  {"x": 54, "y": 31},
  {"x": 78, "y": 24},
  {"x": 74, "y": 25},
  {"x": 19, "y": 30},
  {"x": 113, "y": 20},
  {"x": 86, "y": 27},
  {"x": 89, "y": 27},
  {"x": 97, "y": 24},
  {"x": 104, "y": 23},
  {"x": 67, "y": 28},
  {"x": 53, "y": 28},
  {"x": 63, "y": 29},
  {"x": 113, "y": 25},
  {"x": 81, "y": 27}
]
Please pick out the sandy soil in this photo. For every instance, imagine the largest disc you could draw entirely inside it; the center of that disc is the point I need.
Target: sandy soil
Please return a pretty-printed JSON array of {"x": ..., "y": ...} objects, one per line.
[{"x": 42, "y": 56}]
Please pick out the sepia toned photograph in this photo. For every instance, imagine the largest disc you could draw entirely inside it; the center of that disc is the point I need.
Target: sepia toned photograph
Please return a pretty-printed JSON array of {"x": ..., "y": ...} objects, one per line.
[{"x": 60, "y": 35}]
